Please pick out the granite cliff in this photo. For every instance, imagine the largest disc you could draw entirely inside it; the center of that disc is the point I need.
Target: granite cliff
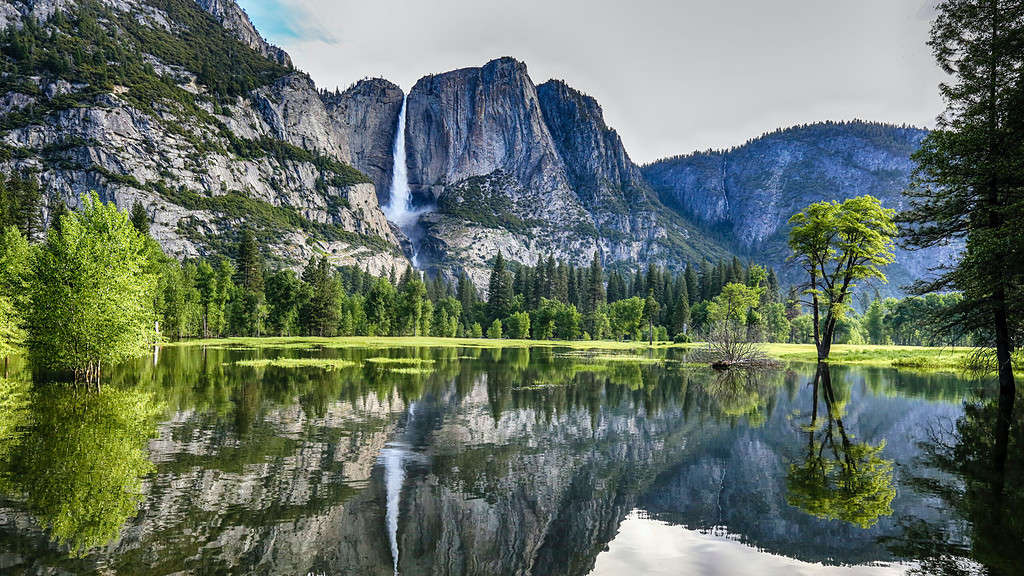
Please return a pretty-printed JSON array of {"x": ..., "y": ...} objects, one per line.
[
  {"x": 531, "y": 171},
  {"x": 181, "y": 105}
]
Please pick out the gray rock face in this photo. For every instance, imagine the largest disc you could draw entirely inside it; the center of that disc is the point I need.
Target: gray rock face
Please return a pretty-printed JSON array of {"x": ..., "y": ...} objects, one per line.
[
  {"x": 530, "y": 171},
  {"x": 596, "y": 162},
  {"x": 746, "y": 195},
  {"x": 273, "y": 158},
  {"x": 365, "y": 117}
]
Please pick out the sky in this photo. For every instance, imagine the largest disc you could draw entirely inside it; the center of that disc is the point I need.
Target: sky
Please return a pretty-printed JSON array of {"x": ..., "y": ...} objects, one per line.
[{"x": 672, "y": 76}]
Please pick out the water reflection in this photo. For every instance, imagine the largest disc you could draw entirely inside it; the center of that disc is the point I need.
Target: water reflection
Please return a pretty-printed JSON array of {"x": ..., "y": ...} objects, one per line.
[
  {"x": 78, "y": 467},
  {"x": 478, "y": 461},
  {"x": 841, "y": 480}
]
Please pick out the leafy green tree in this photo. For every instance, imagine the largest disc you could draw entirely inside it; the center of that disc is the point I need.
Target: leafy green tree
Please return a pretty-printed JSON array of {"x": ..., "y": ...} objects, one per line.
[
  {"x": 839, "y": 244},
  {"x": 874, "y": 322},
  {"x": 494, "y": 330},
  {"x": 91, "y": 296},
  {"x": 778, "y": 326},
  {"x": 967, "y": 184},
  {"x": 15, "y": 254},
  {"x": 626, "y": 317},
  {"x": 518, "y": 325}
]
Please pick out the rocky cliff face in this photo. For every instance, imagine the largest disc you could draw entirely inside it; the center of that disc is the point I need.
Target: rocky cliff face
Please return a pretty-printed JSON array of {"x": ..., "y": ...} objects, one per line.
[
  {"x": 366, "y": 117},
  {"x": 529, "y": 171},
  {"x": 199, "y": 119},
  {"x": 745, "y": 196}
]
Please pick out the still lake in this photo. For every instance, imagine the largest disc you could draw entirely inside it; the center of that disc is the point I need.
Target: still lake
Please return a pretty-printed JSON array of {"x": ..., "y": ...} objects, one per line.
[{"x": 312, "y": 459}]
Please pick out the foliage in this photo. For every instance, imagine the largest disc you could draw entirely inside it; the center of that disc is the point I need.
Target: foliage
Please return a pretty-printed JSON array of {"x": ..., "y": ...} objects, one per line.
[
  {"x": 839, "y": 479},
  {"x": 967, "y": 184},
  {"x": 91, "y": 295},
  {"x": 839, "y": 244}
]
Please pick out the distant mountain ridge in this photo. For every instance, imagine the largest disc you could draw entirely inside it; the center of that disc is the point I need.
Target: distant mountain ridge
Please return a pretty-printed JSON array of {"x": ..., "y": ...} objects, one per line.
[{"x": 745, "y": 196}]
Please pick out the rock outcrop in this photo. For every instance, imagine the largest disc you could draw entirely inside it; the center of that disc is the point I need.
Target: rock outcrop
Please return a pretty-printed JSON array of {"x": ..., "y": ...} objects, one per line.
[
  {"x": 746, "y": 195},
  {"x": 366, "y": 117},
  {"x": 522, "y": 170},
  {"x": 203, "y": 122}
]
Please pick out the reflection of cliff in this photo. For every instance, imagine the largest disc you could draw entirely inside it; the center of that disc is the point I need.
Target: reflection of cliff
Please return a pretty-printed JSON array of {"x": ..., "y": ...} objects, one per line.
[
  {"x": 734, "y": 479},
  {"x": 287, "y": 496},
  {"x": 530, "y": 493},
  {"x": 519, "y": 462}
]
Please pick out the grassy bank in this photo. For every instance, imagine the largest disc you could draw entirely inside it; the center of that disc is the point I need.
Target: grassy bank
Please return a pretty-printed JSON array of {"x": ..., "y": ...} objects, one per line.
[
  {"x": 412, "y": 341},
  {"x": 896, "y": 356},
  {"x": 866, "y": 354}
]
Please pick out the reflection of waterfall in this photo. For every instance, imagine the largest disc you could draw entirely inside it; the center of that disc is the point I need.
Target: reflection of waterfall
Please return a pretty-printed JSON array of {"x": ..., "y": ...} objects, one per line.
[
  {"x": 399, "y": 208},
  {"x": 393, "y": 458}
]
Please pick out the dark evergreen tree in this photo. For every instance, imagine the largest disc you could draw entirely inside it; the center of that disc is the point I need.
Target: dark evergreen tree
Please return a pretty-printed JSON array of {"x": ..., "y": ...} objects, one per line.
[
  {"x": 968, "y": 182},
  {"x": 499, "y": 291},
  {"x": 595, "y": 285},
  {"x": 140, "y": 219},
  {"x": 250, "y": 263},
  {"x": 692, "y": 284}
]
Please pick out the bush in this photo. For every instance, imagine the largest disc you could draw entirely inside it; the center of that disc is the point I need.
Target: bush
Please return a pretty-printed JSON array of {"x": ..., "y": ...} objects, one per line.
[{"x": 682, "y": 338}]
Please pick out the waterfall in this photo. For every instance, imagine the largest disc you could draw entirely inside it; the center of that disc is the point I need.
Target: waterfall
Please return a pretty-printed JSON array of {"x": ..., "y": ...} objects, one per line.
[
  {"x": 393, "y": 458},
  {"x": 399, "y": 208}
]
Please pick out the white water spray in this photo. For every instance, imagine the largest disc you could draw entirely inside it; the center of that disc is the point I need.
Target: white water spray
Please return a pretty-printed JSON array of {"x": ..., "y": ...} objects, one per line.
[
  {"x": 393, "y": 458},
  {"x": 399, "y": 208}
]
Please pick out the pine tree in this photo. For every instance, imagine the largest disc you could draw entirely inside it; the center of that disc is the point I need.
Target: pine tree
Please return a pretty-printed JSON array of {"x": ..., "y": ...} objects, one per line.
[
  {"x": 968, "y": 182},
  {"x": 681, "y": 313},
  {"x": 57, "y": 213},
  {"x": 140, "y": 219},
  {"x": 499, "y": 291},
  {"x": 28, "y": 200},
  {"x": 595, "y": 285},
  {"x": 692, "y": 284}
]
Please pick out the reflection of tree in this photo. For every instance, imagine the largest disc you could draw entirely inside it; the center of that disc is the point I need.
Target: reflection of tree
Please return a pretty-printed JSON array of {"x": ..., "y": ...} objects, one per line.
[
  {"x": 840, "y": 480},
  {"x": 739, "y": 393},
  {"x": 14, "y": 417},
  {"x": 985, "y": 453},
  {"x": 79, "y": 466}
]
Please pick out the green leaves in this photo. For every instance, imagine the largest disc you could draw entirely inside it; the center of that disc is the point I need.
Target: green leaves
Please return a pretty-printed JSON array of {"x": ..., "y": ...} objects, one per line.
[
  {"x": 91, "y": 294},
  {"x": 838, "y": 244}
]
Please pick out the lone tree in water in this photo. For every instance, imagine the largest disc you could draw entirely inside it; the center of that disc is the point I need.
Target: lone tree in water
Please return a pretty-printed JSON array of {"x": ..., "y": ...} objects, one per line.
[
  {"x": 91, "y": 298},
  {"x": 838, "y": 244},
  {"x": 967, "y": 184}
]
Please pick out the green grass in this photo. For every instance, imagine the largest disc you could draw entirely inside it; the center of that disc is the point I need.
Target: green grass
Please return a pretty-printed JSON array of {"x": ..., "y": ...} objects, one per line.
[
  {"x": 917, "y": 357},
  {"x": 324, "y": 363},
  {"x": 400, "y": 361},
  {"x": 866, "y": 354}
]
